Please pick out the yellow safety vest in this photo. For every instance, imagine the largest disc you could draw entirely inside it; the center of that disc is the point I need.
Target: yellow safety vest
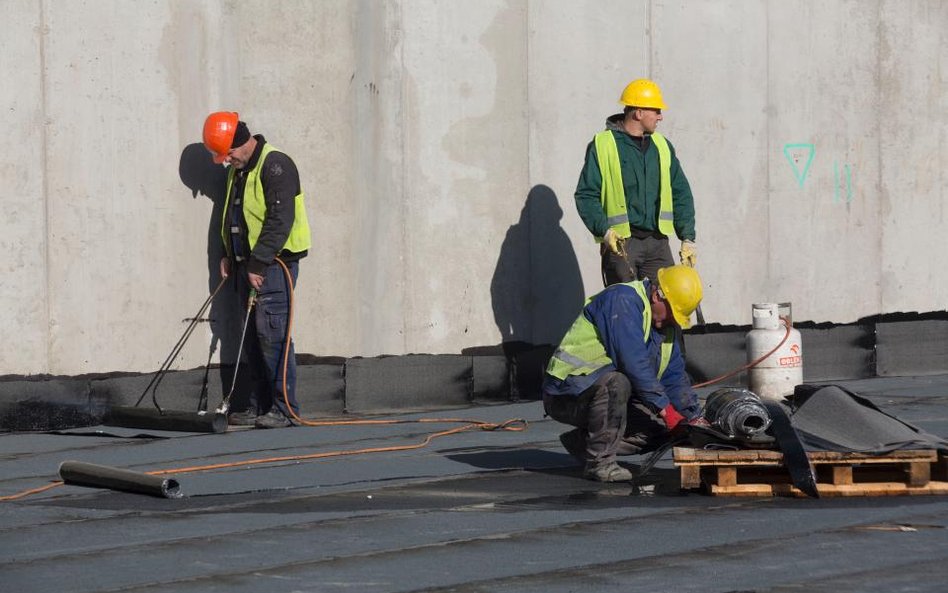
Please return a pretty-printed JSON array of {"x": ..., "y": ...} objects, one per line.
[
  {"x": 581, "y": 352},
  {"x": 255, "y": 209},
  {"x": 612, "y": 195}
]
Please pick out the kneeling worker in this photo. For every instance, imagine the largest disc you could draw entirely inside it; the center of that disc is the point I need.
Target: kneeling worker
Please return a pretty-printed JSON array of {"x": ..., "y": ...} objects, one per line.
[{"x": 619, "y": 376}]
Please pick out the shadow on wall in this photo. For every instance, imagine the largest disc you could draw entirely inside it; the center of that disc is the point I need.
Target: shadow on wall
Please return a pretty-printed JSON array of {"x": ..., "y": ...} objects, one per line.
[
  {"x": 202, "y": 176},
  {"x": 536, "y": 291}
]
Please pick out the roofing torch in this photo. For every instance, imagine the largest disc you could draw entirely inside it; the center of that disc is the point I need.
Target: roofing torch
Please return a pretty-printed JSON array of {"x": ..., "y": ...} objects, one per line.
[{"x": 225, "y": 403}]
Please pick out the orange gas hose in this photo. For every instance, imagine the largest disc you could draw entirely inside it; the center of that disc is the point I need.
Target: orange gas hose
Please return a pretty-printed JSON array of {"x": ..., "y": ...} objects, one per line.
[
  {"x": 514, "y": 425},
  {"x": 26, "y": 493},
  {"x": 786, "y": 322},
  {"x": 286, "y": 359}
]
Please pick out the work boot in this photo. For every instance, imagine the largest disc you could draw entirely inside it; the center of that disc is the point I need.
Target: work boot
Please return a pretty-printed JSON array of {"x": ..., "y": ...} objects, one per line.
[
  {"x": 608, "y": 471},
  {"x": 574, "y": 442},
  {"x": 273, "y": 419},
  {"x": 245, "y": 418}
]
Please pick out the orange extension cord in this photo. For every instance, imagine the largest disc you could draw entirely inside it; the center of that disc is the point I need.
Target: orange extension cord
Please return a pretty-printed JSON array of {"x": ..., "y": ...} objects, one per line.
[{"x": 515, "y": 424}]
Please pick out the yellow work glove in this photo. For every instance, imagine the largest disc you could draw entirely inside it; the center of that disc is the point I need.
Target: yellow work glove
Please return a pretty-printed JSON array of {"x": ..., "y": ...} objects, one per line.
[
  {"x": 615, "y": 243},
  {"x": 689, "y": 253}
]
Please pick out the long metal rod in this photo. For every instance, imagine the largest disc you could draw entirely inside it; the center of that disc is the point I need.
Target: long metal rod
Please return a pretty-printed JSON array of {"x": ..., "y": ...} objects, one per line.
[
  {"x": 225, "y": 403},
  {"x": 180, "y": 345},
  {"x": 174, "y": 351},
  {"x": 202, "y": 401},
  {"x": 160, "y": 373}
]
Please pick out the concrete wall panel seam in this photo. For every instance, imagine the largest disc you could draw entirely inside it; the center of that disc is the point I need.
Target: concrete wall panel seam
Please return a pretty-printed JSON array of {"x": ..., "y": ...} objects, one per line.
[{"x": 439, "y": 143}]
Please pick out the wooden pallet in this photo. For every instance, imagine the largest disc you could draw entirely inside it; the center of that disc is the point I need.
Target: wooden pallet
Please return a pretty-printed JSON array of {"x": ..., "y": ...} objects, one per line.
[{"x": 761, "y": 473}]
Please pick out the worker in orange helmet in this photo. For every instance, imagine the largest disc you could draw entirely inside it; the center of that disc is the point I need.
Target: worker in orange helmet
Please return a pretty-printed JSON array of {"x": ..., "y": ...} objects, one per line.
[
  {"x": 264, "y": 220},
  {"x": 632, "y": 193}
]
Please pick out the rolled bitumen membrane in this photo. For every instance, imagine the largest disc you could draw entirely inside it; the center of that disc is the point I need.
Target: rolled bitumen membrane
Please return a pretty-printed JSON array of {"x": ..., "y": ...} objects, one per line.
[
  {"x": 833, "y": 418},
  {"x": 78, "y": 473},
  {"x": 737, "y": 412},
  {"x": 177, "y": 420}
]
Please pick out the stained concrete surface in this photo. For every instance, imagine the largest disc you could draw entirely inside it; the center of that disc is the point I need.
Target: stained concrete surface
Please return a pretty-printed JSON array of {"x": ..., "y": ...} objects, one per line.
[
  {"x": 472, "y": 512},
  {"x": 812, "y": 134}
]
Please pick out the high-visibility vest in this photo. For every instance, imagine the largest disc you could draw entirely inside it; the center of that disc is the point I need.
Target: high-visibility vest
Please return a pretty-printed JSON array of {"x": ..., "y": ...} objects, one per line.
[
  {"x": 581, "y": 352},
  {"x": 255, "y": 209},
  {"x": 612, "y": 196}
]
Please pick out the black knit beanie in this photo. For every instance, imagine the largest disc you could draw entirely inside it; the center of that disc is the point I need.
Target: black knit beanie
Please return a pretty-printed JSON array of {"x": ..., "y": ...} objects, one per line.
[{"x": 241, "y": 135}]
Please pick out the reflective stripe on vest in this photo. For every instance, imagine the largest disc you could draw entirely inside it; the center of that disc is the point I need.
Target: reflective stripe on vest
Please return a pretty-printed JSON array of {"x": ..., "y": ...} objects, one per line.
[
  {"x": 581, "y": 352},
  {"x": 666, "y": 214},
  {"x": 255, "y": 209},
  {"x": 612, "y": 195}
]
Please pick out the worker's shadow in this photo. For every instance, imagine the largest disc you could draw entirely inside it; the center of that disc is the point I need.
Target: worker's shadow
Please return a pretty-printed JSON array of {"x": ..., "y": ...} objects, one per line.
[
  {"x": 202, "y": 176},
  {"x": 664, "y": 481},
  {"x": 536, "y": 291}
]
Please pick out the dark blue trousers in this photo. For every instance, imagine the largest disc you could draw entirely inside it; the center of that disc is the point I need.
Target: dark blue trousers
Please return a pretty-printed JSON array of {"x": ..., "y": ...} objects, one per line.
[{"x": 267, "y": 342}]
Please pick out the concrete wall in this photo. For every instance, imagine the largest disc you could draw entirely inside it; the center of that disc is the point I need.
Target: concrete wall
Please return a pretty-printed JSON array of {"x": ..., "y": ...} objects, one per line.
[{"x": 439, "y": 144}]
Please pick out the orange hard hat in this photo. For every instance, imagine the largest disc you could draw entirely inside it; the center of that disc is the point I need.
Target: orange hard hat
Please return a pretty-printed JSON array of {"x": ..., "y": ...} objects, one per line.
[{"x": 219, "y": 130}]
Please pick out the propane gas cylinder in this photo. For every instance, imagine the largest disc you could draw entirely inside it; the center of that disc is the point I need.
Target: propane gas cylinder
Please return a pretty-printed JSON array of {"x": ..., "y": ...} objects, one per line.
[{"x": 777, "y": 375}]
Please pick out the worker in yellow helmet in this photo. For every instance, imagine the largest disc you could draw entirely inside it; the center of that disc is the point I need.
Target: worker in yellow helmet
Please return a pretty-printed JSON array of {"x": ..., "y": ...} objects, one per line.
[
  {"x": 263, "y": 219},
  {"x": 632, "y": 193},
  {"x": 619, "y": 375}
]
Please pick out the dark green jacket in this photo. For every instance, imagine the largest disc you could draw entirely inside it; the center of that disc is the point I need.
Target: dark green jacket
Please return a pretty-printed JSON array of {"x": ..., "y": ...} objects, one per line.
[{"x": 640, "y": 176}]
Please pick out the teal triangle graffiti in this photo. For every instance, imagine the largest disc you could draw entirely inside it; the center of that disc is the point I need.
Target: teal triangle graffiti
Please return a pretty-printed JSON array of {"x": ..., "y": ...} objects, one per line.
[{"x": 791, "y": 151}]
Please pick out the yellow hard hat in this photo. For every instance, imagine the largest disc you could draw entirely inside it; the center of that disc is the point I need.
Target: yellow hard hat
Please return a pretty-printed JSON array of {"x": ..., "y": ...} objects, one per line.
[
  {"x": 642, "y": 93},
  {"x": 682, "y": 287}
]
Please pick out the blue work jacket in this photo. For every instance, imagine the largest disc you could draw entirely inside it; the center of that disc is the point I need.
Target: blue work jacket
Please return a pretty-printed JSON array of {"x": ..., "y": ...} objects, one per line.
[{"x": 617, "y": 314}]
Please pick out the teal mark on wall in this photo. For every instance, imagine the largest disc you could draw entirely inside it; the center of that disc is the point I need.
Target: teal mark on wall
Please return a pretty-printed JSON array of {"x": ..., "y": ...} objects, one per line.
[
  {"x": 796, "y": 153},
  {"x": 848, "y": 173},
  {"x": 801, "y": 155}
]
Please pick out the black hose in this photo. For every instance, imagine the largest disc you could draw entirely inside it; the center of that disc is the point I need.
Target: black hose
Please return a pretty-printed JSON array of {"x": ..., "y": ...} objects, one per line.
[{"x": 160, "y": 373}]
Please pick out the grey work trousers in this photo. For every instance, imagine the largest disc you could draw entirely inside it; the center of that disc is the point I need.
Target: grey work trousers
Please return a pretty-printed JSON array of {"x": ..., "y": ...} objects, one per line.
[
  {"x": 616, "y": 421},
  {"x": 643, "y": 257}
]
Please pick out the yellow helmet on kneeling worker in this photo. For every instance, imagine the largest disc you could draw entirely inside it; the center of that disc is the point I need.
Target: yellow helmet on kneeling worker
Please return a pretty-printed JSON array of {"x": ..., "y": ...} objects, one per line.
[{"x": 682, "y": 288}]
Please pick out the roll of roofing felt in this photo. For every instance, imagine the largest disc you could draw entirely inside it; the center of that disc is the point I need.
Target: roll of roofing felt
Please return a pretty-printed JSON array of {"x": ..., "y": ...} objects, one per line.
[
  {"x": 174, "y": 420},
  {"x": 736, "y": 412},
  {"x": 102, "y": 476}
]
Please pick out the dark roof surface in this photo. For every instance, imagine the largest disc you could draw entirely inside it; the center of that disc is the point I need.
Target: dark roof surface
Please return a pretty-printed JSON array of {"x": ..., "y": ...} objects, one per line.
[{"x": 476, "y": 511}]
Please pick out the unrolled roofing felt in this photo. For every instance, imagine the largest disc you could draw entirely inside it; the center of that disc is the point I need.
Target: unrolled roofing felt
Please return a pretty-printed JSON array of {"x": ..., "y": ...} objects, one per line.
[
  {"x": 832, "y": 418},
  {"x": 490, "y": 512}
]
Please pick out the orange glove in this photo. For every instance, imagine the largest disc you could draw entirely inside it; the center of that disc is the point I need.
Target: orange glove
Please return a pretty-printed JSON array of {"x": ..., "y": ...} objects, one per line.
[{"x": 671, "y": 417}]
